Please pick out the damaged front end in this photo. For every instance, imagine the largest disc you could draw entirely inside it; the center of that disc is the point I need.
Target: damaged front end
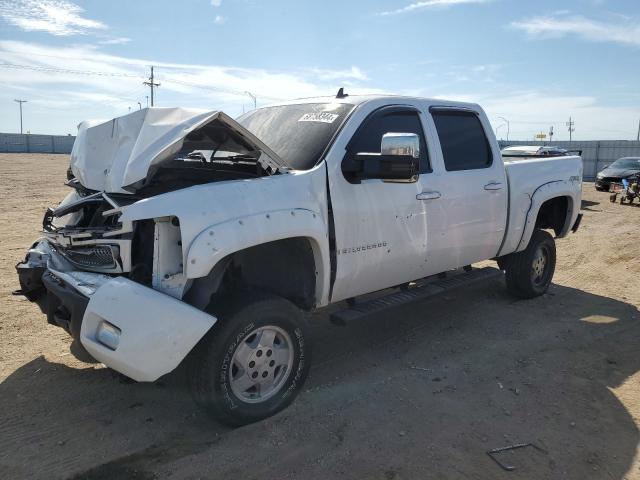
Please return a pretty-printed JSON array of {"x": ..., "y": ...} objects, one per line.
[
  {"x": 114, "y": 282},
  {"x": 115, "y": 286},
  {"x": 83, "y": 242}
]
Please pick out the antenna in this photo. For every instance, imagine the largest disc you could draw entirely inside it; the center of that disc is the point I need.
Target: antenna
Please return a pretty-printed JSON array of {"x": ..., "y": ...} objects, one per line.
[{"x": 341, "y": 93}]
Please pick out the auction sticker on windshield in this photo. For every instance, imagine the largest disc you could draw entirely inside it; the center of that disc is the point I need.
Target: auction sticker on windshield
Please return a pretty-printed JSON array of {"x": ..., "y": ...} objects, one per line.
[{"x": 322, "y": 117}]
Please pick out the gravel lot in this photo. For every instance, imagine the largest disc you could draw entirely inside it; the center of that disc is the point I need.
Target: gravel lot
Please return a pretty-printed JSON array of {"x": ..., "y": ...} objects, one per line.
[{"x": 420, "y": 392}]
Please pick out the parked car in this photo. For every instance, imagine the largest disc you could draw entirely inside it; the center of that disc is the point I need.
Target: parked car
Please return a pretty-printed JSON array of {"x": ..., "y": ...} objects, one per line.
[
  {"x": 534, "y": 151},
  {"x": 625, "y": 167},
  {"x": 154, "y": 259}
]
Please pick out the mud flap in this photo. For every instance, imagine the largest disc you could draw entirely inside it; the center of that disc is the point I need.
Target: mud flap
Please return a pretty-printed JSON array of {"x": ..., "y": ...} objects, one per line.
[{"x": 156, "y": 331}]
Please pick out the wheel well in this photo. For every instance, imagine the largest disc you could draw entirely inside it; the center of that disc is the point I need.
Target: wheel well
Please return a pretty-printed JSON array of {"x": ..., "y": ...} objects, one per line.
[
  {"x": 283, "y": 267},
  {"x": 553, "y": 214}
]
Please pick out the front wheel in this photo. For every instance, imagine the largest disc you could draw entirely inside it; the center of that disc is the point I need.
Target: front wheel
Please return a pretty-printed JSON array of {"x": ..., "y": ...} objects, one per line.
[
  {"x": 254, "y": 361},
  {"x": 529, "y": 272}
]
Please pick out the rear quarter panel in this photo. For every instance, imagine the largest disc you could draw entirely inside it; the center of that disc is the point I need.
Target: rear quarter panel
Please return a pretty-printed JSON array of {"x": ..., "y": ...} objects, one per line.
[{"x": 531, "y": 183}]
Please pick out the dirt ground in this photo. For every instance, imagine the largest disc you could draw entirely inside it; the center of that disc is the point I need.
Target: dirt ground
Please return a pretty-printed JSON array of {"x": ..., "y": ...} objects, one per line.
[{"x": 420, "y": 392}]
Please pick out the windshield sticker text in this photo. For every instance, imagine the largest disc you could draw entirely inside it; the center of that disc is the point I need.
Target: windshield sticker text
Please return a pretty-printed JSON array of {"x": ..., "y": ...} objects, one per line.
[{"x": 322, "y": 117}]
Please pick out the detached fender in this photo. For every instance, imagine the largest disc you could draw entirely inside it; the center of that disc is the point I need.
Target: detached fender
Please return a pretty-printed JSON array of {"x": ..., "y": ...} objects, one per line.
[
  {"x": 559, "y": 188},
  {"x": 218, "y": 241}
]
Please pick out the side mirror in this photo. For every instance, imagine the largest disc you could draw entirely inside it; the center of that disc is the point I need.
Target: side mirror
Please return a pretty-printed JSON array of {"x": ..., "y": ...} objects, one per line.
[
  {"x": 400, "y": 144},
  {"x": 398, "y": 160}
]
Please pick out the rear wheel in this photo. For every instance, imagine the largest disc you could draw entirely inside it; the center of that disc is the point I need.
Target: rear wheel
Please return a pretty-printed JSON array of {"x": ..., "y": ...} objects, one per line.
[
  {"x": 529, "y": 273},
  {"x": 254, "y": 361}
]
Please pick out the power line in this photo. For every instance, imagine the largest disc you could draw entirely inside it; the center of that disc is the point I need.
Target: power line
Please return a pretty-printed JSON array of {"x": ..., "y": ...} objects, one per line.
[
  {"x": 253, "y": 96},
  {"x": 46, "y": 69},
  {"x": 67, "y": 70}
]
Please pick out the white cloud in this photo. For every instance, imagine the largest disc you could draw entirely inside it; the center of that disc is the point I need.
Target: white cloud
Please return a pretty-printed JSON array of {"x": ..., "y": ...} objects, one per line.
[
  {"x": 219, "y": 20},
  {"x": 120, "y": 84},
  {"x": 57, "y": 17},
  {"x": 216, "y": 3},
  {"x": 427, "y": 4},
  {"x": 626, "y": 31},
  {"x": 353, "y": 73},
  {"x": 115, "y": 41}
]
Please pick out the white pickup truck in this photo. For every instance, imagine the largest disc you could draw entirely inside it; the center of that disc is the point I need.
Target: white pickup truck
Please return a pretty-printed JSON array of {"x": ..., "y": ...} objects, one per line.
[{"x": 190, "y": 236}]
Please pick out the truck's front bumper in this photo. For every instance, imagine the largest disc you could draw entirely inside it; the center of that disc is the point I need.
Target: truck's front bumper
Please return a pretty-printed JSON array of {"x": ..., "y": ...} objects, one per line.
[{"x": 129, "y": 327}]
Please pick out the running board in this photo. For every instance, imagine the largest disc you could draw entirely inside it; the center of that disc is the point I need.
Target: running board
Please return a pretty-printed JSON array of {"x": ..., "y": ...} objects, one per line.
[{"x": 421, "y": 292}]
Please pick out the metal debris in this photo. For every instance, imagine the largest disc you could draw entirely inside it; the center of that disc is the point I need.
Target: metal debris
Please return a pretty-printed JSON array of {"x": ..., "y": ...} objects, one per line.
[{"x": 504, "y": 466}]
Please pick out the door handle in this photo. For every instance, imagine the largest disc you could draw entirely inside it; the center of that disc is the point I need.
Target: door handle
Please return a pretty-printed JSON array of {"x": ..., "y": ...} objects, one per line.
[
  {"x": 428, "y": 196},
  {"x": 493, "y": 186}
]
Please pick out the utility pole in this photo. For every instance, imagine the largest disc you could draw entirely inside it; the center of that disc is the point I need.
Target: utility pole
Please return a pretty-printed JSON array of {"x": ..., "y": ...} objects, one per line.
[
  {"x": 551, "y": 133},
  {"x": 638, "y": 137},
  {"x": 508, "y": 129},
  {"x": 151, "y": 84},
  {"x": 147, "y": 96},
  {"x": 20, "y": 102},
  {"x": 570, "y": 124}
]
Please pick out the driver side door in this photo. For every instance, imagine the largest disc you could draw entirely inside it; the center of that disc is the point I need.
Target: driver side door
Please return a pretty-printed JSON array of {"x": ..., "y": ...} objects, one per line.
[{"x": 380, "y": 225}]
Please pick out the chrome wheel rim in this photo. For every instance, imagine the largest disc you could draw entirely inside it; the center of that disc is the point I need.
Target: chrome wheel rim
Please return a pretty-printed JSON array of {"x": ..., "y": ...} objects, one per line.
[
  {"x": 261, "y": 364},
  {"x": 539, "y": 266}
]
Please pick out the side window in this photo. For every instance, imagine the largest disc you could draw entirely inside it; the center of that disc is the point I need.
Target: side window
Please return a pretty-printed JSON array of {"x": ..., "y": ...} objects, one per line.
[
  {"x": 463, "y": 141},
  {"x": 368, "y": 137}
]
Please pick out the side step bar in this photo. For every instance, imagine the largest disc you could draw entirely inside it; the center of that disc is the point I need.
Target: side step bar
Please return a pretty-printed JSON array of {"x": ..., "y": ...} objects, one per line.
[{"x": 421, "y": 292}]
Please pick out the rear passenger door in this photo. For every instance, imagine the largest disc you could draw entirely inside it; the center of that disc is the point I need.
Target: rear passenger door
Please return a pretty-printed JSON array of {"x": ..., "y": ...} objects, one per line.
[{"x": 472, "y": 185}]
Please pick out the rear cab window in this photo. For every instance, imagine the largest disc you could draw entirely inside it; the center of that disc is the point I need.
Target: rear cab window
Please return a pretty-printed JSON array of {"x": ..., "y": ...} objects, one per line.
[{"x": 462, "y": 138}]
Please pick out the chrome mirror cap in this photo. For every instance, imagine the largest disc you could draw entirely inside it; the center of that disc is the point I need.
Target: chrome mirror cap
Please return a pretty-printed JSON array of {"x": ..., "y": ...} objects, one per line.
[{"x": 400, "y": 144}]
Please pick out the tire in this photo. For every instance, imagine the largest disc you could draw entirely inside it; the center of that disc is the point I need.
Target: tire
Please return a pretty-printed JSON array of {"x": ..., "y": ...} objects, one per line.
[
  {"x": 528, "y": 273},
  {"x": 251, "y": 329}
]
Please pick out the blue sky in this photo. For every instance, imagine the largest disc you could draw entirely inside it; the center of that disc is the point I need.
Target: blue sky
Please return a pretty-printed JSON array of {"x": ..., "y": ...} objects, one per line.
[{"x": 534, "y": 63}]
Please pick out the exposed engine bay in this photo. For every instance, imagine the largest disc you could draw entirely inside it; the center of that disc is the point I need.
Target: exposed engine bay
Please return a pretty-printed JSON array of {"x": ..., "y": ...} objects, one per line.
[{"x": 86, "y": 229}]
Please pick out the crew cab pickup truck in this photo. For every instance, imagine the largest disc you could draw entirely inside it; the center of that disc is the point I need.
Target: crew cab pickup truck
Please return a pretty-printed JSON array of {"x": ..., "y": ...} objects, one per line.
[{"x": 190, "y": 237}]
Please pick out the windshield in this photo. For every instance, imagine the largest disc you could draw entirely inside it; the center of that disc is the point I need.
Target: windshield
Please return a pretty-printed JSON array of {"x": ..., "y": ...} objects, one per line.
[
  {"x": 299, "y": 133},
  {"x": 626, "y": 163}
]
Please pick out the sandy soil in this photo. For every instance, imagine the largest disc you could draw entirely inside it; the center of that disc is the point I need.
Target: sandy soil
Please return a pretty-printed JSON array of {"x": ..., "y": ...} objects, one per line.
[{"x": 420, "y": 392}]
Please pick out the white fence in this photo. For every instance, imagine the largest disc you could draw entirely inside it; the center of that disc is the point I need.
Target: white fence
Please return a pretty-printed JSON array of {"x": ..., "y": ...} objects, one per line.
[
  {"x": 596, "y": 154},
  {"x": 28, "y": 143}
]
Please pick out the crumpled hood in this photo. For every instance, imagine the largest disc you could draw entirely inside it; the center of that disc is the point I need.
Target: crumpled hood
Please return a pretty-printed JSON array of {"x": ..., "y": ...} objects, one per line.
[{"x": 114, "y": 155}]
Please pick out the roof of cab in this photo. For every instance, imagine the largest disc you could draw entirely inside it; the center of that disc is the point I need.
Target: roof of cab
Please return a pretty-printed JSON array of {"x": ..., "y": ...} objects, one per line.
[{"x": 362, "y": 99}]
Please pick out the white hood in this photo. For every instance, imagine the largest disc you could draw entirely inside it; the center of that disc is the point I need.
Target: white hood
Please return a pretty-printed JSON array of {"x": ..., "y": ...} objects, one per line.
[{"x": 111, "y": 155}]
